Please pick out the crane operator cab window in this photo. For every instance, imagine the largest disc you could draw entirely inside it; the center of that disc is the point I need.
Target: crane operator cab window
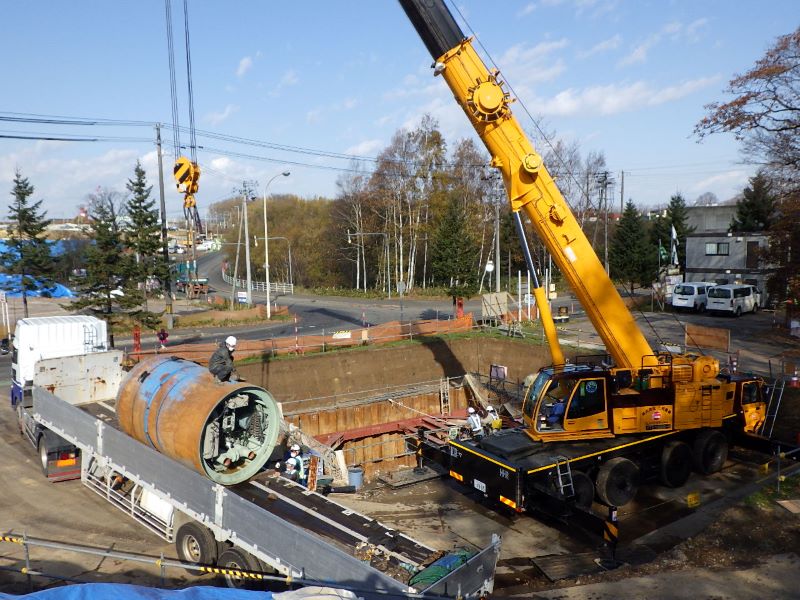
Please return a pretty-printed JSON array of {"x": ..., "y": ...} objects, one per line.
[
  {"x": 754, "y": 409},
  {"x": 571, "y": 403}
]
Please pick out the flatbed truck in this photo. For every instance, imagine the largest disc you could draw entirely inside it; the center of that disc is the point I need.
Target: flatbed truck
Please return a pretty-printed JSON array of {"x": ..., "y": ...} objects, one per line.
[{"x": 266, "y": 524}]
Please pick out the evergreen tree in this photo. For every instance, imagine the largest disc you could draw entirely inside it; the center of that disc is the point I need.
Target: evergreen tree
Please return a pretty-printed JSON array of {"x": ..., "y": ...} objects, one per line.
[
  {"x": 143, "y": 234},
  {"x": 453, "y": 253},
  {"x": 754, "y": 212},
  {"x": 677, "y": 216},
  {"x": 27, "y": 252},
  {"x": 110, "y": 287},
  {"x": 630, "y": 255}
]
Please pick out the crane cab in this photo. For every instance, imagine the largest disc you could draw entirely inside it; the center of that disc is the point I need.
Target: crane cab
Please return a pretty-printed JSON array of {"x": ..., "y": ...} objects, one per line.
[{"x": 569, "y": 403}]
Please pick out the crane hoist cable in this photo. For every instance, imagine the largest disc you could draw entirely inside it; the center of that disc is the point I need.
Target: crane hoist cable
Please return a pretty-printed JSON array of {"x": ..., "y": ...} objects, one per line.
[{"x": 186, "y": 170}]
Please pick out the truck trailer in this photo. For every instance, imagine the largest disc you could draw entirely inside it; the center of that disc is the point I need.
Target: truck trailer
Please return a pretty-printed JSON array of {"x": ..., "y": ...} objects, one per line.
[{"x": 264, "y": 524}]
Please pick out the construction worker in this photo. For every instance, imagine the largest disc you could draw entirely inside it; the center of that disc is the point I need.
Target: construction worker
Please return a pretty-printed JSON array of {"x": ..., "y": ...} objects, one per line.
[
  {"x": 474, "y": 423},
  {"x": 297, "y": 457},
  {"x": 221, "y": 362},
  {"x": 492, "y": 420}
]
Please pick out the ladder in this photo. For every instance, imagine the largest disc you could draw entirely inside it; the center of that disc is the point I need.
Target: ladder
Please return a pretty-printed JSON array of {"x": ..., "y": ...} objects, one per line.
[
  {"x": 564, "y": 477},
  {"x": 774, "y": 394},
  {"x": 89, "y": 339},
  {"x": 444, "y": 395}
]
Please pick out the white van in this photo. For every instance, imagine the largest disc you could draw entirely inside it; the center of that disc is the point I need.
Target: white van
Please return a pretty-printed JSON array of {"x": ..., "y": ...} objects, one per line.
[
  {"x": 733, "y": 299},
  {"x": 691, "y": 295}
]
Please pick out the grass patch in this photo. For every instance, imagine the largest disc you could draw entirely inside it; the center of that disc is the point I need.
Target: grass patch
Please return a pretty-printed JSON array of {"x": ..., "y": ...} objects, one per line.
[{"x": 766, "y": 497}]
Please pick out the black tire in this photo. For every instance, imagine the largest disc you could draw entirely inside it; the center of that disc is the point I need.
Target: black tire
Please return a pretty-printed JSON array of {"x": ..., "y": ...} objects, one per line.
[
  {"x": 196, "y": 544},
  {"x": 709, "y": 451},
  {"x": 584, "y": 490},
  {"x": 42, "y": 449},
  {"x": 239, "y": 560},
  {"x": 618, "y": 481},
  {"x": 676, "y": 464},
  {"x": 738, "y": 312},
  {"x": 701, "y": 308},
  {"x": 755, "y": 308}
]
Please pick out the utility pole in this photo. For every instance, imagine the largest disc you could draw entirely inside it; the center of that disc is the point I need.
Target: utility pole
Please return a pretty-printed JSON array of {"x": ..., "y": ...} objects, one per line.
[
  {"x": 164, "y": 241},
  {"x": 245, "y": 195},
  {"x": 603, "y": 180},
  {"x": 497, "y": 245},
  {"x": 621, "y": 192}
]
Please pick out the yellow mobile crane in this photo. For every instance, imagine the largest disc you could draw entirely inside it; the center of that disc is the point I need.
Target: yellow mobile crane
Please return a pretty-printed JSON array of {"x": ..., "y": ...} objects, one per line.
[{"x": 602, "y": 424}]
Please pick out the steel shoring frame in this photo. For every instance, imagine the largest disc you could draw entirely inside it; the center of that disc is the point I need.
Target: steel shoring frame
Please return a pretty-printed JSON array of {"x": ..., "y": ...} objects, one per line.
[{"x": 159, "y": 561}]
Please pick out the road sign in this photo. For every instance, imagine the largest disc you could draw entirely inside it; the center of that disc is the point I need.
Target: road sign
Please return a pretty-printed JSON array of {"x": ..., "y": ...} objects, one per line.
[
  {"x": 401, "y": 287},
  {"x": 241, "y": 297}
]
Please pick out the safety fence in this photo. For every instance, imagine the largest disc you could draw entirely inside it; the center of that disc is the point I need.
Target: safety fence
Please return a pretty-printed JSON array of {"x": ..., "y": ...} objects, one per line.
[
  {"x": 275, "y": 287},
  {"x": 298, "y": 343}
]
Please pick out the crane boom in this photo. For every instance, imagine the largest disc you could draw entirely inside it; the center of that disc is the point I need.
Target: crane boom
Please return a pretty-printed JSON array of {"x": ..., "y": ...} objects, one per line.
[{"x": 530, "y": 188}]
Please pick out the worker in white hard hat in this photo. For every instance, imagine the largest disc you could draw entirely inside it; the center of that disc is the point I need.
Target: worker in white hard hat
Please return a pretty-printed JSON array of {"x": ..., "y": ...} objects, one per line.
[
  {"x": 221, "y": 362},
  {"x": 492, "y": 420},
  {"x": 294, "y": 453},
  {"x": 474, "y": 423}
]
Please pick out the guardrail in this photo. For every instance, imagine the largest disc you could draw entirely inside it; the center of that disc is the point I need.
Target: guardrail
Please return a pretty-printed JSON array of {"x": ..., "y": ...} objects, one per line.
[{"x": 275, "y": 287}]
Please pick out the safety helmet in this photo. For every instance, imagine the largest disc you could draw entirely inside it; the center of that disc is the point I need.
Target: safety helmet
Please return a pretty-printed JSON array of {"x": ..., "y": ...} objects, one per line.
[
  {"x": 230, "y": 341},
  {"x": 470, "y": 410},
  {"x": 295, "y": 448},
  {"x": 291, "y": 464},
  {"x": 490, "y": 408}
]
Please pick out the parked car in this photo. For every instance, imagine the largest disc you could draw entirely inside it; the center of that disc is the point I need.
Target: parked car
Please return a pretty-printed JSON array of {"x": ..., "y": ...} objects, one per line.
[
  {"x": 691, "y": 295},
  {"x": 734, "y": 299}
]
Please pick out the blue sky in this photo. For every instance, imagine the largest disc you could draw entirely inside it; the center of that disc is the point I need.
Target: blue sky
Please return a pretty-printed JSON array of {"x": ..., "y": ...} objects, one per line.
[{"x": 315, "y": 79}]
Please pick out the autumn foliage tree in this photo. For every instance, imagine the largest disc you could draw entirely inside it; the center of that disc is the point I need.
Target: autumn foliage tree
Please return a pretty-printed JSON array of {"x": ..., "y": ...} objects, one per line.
[{"x": 764, "y": 112}]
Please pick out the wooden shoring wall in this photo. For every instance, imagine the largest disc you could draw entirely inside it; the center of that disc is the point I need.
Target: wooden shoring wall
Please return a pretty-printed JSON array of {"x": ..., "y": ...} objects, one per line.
[{"x": 374, "y": 452}]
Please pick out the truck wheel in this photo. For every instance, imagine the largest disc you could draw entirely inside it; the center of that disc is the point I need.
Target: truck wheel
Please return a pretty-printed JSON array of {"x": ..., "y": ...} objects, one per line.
[
  {"x": 196, "y": 544},
  {"x": 710, "y": 452},
  {"x": 618, "y": 481},
  {"x": 738, "y": 311},
  {"x": 676, "y": 464},
  {"x": 584, "y": 489},
  {"x": 43, "y": 456},
  {"x": 701, "y": 308},
  {"x": 239, "y": 560}
]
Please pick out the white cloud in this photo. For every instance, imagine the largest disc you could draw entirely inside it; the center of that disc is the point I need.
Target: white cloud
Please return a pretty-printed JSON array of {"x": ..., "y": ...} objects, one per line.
[
  {"x": 244, "y": 66},
  {"x": 733, "y": 179},
  {"x": 314, "y": 115},
  {"x": 674, "y": 30},
  {"x": 289, "y": 78},
  {"x": 366, "y": 148},
  {"x": 527, "y": 9},
  {"x": 608, "y": 44},
  {"x": 614, "y": 99},
  {"x": 215, "y": 118}
]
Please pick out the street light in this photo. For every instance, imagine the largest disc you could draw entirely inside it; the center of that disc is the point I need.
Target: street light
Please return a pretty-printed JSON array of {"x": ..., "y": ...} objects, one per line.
[
  {"x": 388, "y": 272},
  {"x": 266, "y": 241}
]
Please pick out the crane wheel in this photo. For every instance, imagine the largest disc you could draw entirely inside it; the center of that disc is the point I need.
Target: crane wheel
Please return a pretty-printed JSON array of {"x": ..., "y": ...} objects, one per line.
[
  {"x": 196, "y": 544},
  {"x": 709, "y": 451},
  {"x": 235, "y": 559},
  {"x": 618, "y": 481},
  {"x": 676, "y": 464}
]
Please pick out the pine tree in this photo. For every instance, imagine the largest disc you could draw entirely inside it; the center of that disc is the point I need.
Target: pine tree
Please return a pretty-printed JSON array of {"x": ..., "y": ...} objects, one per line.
[
  {"x": 631, "y": 256},
  {"x": 143, "y": 234},
  {"x": 453, "y": 253},
  {"x": 677, "y": 216},
  {"x": 755, "y": 210},
  {"x": 27, "y": 254},
  {"x": 110, "y": 287}
]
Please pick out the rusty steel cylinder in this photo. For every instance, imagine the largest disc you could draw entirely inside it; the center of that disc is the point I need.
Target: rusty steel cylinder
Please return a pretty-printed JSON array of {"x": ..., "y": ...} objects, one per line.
[{"x": 225, "y": 431}]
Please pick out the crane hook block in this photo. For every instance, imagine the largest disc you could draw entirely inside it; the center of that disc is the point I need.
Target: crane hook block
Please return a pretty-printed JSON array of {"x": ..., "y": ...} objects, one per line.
[{"x": 183, "y": 172}]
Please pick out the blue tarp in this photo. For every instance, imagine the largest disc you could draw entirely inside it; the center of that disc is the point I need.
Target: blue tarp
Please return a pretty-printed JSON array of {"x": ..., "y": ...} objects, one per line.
[
  {"x": 11, "y": 283},
  {"x": 13, "y": 288},
  {"x": 119, "y": 591}
]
